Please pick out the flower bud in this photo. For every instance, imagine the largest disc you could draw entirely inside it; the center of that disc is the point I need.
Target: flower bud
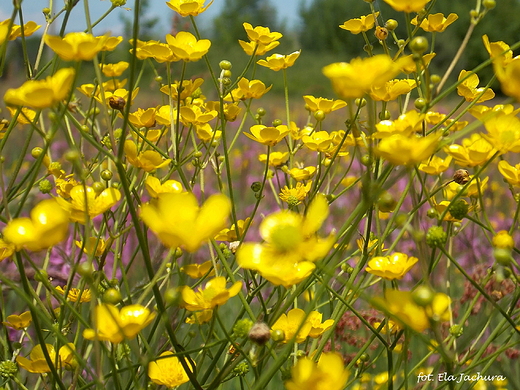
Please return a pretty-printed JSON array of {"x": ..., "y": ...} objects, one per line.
[
  {"x": 423, "y": 295},
  {"x": 461, "y": 176},
  {"x": 391, "y": 24},
  {"x": 8, "y": 369},
  {"x": 242, "y": 327},
  {"x": 260, "y": 333},
  {"x": 436, "y": 236},
  {"x": 418, "y": 45},
  {"x": 225, "y": 65},
  {"x": 381, "y": 33},
  {"x": 45, "y": 186}
]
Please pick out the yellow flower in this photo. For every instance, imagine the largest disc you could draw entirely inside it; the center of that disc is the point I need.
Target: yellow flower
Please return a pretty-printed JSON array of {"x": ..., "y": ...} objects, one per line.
[
  {"x": 403, "y": 310},
  {"x": 317, "y": 327},
  {"x": 48, "y": 226},
  {"x": 472, "y": 190},
  {"x": 200, "y": 317},
  {"x": 194, "y": 115},
  {"x": 261, "y": 34},
  {"x": 76, "y": 294},
  {"x": 401, "y": 150},
  {"x": 143, "y": 118},
  {"x": 408, "y": 65},
  {"x": 38, "y": 364},
  {"x": 246, "y": 89},
  {"x": 94, "y": 246},
  {"x": 319, "y": 141},
  {"x": 149, "y": 160},
  {"x": 406, "y": 124},
  {"x": 111, "y": 43},
  {"x": 64, "y": 184},
  {"x": 233, "y": 233},
  {"x": 86, "y": 203},
  {"x": 42, "y": 93},
  {"x": 188, "y": 8},
  {"x": 114, "y": 70},
  {"x": 407, "y": 5},
  {"x": 16, "y": 30},
  {"x": 160, "y": 52},
  {"x": 295, "y": 195},
  {"x": 503, "y": 132},
  {"x": 392, "y": 89},
  {"x": 114, "y": 325},
  {"x": 187, "y": 88},
  {"x": 435, "y": 165},
  {"x": 391, "y": 267},
  {"x": 303, "y": 173},
  {"x": 484, "y": 112},
  {"x": 230, "y": 110},
  {"x": 314, "y": 104},
  {"x": 18, "y": 322},
  {"x": 214, "y": 294},
  {"x": 278, "y": 62},
  {"x": 435, "y": 22},
  {"x": 354, "y": 79},
  {"x": 168, "y": 371},
  {"x": 509, "y": 77},
  {"x": 468, "y": 88},
  {"x": 474, "y": 151},
  {"x": 155, "y": 188},
  {"x": 362, "y": 24},
  {"x": 205, "y": 132},
  {"x": 499, "y": 51},
  {"x": 178, "y": 220},
  {"x": 197, "y": 271},
  {"x": 291, "y": 246},
  {"x": 257, "y": 48},
  {"x": 75, "y": 46},
  {"x": 25, "y": 117},
  {"x": 276, "y": 159},
  {"x": 501, "y": 240},
  {"x": 6, "y": 249},
  {"x": 294, "y": 326},
  {"x": 186, "y": 47},
  {"x": 510, "y": 173},
  {"x": 329, "y": 373},
  {"x": 267, "y": 135},
  {"x": 90, "y": 90},
  {"x": 119, "y": 94}
]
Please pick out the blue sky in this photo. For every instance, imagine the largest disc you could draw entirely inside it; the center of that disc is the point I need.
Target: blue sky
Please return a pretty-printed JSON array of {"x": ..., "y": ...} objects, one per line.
[{"x": 287, "y": 11}]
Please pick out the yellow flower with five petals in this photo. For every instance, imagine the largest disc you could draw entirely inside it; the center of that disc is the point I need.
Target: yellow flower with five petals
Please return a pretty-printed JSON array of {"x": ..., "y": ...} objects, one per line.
[
  {"x": 186, "y": 47},
  {"x": 468, "y": 88},
  {"x": 213, "y": 294},
  {"x": 361, "y": 24},
  {"x": 278, "y": 62},
  {"x": 168, "y": 370},
  {"x": 38, "y": 364},
  {"x": 76, "y": 46},
  {"x": 18, "y": 322},
  {"x": 267, "y": 135},
  {"x": 188, "y": 8},
  {"x": 391, "y": 267},
  {"x": 148, "y": 160},
  {"x": 314, "y": 104},
  {"x": 510, "y": 173},
  {"x": 475, "y": 150},
  {"x": 407, "y": 5},
  {"x": 435, "y": 22},
  {"x": 403, "y": 150},
  {"x": 329, "y": 373}
]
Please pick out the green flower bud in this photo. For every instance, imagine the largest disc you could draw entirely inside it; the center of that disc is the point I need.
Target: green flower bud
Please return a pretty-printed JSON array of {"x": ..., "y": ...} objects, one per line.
[
  {"x": 456, "y": 330},
  {"x": 459, "y": 209},
  {"x": 418, "y": 45},
  {"x": 256, "y": 186},
  {"x": 112, "y": 296},
  {"x": 278, "y": 335},
  {"x": 241, "y": 369},
  {"x": 502, "y": 255},
  {"x": 261, "y": 111},
  {"x": 391, "y": 24},
  {"x": 319, "y": 115},
  {"x": 423, "y": 295},
  {"x": 436, "y": 236},
  {"x": 8, "y": 369},
  {"x": 118, "y": 3},
  {"x": 277, "y": 122},
  {"x": 225, "y": 65},
  {"x": 106, "y": 174},
  {"x": 242, "y": 327},
  {"x": 45, "y": 186}
]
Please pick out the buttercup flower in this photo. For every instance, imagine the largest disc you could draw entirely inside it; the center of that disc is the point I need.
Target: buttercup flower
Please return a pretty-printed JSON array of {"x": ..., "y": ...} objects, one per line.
[
  {"x": 509, "y": 77},
  {"x": 6, "y": 249},
  {"x": 291, "y": 325},
  {"x": 42, "y": 93},
  {"x": 469, "y": 91},
  {"x": 278, "y": 62},
  {"x": 18, "y": 322},
  {"x": 291, "y": 247},
  {"x": 503, "y": 132},
  {"x": 16, "y": 30},
  {"x": 407, "y": 5},
  {"x": 205, "y": 133},
  {"x": 402, "y": 150},
  {"x": 303, "y": 173},
  {"x": 257, "y": 48},
  {"x": 391, "y": 267},
  {"x": 361, "y": 24},
  {"x": 149, "y": 160},
  {"x": 38, "y": 364},
  {"x": 194, "y": 115},
  {"x": 403, "y": 310},
  {"x": 233, "y": 233},
  {"x": 168, "y": 371},
  {"x": 143, "y": 118},
  {"x": 474, "y": 151},
  {"x": 318, "y": 327},
  {"x": 25, "y": 116},
  {"x": 319, "y": 141},
  {"x": 197, "y": 271},
  {"x": 94, "y": 246},
  {"x": 188, "y": 8},
  {"x": 392, "y": 89},
  {"x": 276, "y": 159},
  {"x": 47, "y": 226},
  {"x": 510, "y": 173},
  {"x": 406, "y": 124},
  {"x": 477, "y": 185},
  {"x": 435, "y": 165},
  {"x": 186, "y": 47},
  {"x": 408, "y": 65},
  {"x": 295, "y": 195},
  {"x": 267, "y": 135},
  {"x": 86, "y": 203},
  {"x": 246, "y": 89},
  {"x": 435, "y": 22},
  {"x": 261, "y": 34},
  {"x": 155, "y": 188},
  {"x": 114, "y": 70},
  {"x": 329, "y": 373},
  {"x": 114, "y": 325},
  {"x": 75, "y": 46},
  {"x": 501, "y": 240},
  {"x": 214, "y": 294},
  {"x": 178, "y": 220},
  {"x": 75, "y": 294},
  {"x": 354, "y": 79},
  {"x": 118, "y": 95},
  {"x": 160, "y": 52},
  {"x": 326, "y": 105},
  {"x": 187, "y": 88}
]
